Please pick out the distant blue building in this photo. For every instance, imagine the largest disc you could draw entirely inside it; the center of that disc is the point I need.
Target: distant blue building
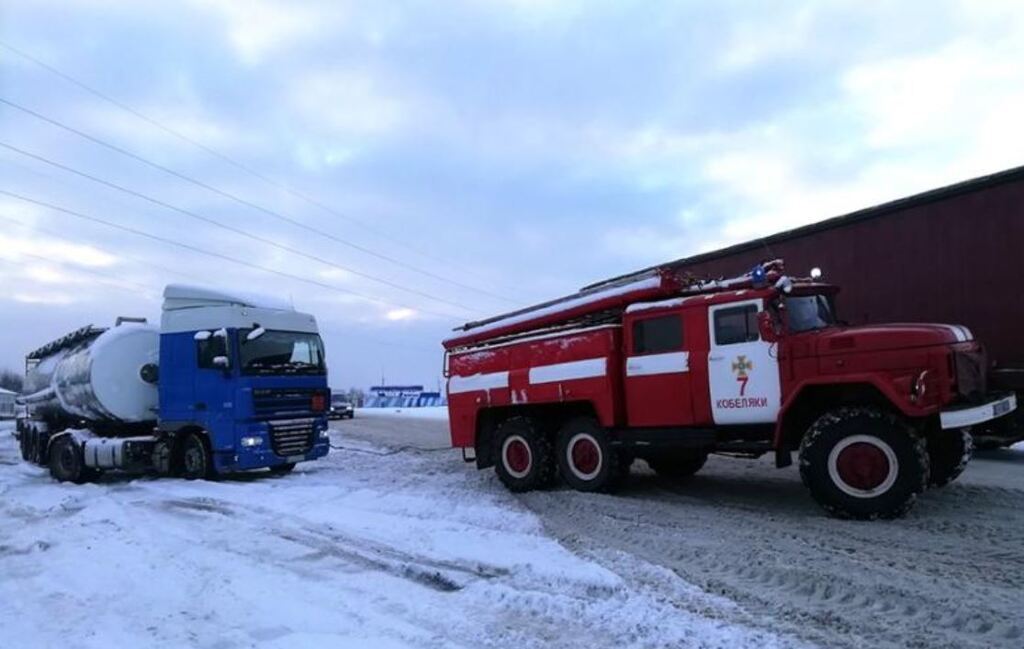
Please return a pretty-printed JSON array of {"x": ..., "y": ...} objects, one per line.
[{"x": 402, "y": 396}]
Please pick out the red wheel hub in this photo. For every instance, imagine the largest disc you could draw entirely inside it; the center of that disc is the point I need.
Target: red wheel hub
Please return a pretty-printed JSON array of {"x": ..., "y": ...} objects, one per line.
[
  {"x": 586, "y": 457},
  {"x": 517, "y": 456},
  {"x": 862, "y": 466}
]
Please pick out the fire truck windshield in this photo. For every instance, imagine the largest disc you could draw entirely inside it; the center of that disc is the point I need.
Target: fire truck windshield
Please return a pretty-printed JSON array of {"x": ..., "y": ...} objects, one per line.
[
  {"x": 810, "y": 312},
  {"x": 281, "y": 352}
]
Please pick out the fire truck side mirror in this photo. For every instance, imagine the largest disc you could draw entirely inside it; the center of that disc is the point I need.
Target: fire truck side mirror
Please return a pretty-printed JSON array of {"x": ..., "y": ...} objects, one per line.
[{"x": 766, "y": 327}]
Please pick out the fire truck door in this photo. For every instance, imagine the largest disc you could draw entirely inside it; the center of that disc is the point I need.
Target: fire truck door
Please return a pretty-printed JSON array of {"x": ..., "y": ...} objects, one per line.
[
  {"x": 658, "y": 391},
  {"x": 743, "y": 370}
]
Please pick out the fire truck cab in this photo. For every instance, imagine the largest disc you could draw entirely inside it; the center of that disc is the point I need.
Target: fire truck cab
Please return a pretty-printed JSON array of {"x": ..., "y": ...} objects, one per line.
[{"x": 668, "y": 369}]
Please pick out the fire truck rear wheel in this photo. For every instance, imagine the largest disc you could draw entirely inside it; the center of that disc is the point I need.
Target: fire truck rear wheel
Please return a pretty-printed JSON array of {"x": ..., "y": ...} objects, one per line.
[
  {"x": 949, "y": 453},
  {"x": 586, "y": 458},
  {"x": 525, "y": 461},
  {"x": 23, "y": 444},
  {"x": 66, "y": 461},
  {"x": 863, "y": 463},
  {"x": 678, "y": 465}
]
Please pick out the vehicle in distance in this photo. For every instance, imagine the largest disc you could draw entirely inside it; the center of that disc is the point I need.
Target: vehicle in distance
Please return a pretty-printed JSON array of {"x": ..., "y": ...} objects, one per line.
[
  {"x": 665, "y": 368},
  {"x": 341, "y": 408},
  {"x": 228, "y": 383}
]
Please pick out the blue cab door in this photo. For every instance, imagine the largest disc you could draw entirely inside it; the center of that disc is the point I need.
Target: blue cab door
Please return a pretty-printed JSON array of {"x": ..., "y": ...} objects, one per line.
[{"x": 214, "y": 406}]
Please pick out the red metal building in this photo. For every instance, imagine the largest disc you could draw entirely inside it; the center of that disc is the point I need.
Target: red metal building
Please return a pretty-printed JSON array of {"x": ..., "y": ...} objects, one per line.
[{"x": 954, "y": 255}]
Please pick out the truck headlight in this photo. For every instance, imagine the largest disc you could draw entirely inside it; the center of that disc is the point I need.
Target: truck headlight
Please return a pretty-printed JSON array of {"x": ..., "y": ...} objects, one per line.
[
  {"x": 249, "y": 442},
  {"x": 325, "y": 433}
]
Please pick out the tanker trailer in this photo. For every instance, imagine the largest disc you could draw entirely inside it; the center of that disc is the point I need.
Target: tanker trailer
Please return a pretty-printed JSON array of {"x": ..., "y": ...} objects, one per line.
[{"x": 227, "y": 383}]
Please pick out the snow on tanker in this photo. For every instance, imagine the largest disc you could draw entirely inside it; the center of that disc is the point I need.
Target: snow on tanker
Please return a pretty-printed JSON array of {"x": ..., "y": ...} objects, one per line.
[
  {"x": 665, "y": 368},
  {"x": 227, "y": 383}
]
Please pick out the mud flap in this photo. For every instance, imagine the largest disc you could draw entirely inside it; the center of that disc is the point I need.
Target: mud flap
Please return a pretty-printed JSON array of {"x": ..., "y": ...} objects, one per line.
[{"x": 783, "y": 458}]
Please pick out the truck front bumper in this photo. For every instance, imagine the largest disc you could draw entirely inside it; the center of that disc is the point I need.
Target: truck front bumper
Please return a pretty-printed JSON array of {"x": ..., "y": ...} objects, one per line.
[{"x": 974, "y": 415}]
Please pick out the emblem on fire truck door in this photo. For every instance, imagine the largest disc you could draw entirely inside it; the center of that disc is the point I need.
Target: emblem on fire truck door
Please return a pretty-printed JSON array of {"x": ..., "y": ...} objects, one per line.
[{"x": 740, "y": 367}]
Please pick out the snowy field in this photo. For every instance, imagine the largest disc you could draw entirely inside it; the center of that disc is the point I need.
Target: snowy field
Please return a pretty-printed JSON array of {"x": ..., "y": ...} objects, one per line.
[{"x": 376, "y": 548}]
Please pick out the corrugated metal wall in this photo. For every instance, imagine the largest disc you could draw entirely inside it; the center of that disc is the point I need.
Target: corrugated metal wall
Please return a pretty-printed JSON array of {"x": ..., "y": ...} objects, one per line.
[{"x": 957, "y": 260}]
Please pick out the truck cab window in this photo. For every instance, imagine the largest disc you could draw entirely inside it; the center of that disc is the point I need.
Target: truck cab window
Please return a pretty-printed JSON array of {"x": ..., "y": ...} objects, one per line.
[
  {"x": 209, "y": 349},
  {"x": 657, "y": 335},
  {"x": 736, "y": 325},
  {"x": 809, "y": 312}
]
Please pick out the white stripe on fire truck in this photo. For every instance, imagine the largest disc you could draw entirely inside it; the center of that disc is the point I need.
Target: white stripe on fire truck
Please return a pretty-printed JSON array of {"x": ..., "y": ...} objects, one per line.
[
  {"x": 670, "y": 363},
  {"x": 589, "y": 368},
  {"x": 475, "y": 382}
]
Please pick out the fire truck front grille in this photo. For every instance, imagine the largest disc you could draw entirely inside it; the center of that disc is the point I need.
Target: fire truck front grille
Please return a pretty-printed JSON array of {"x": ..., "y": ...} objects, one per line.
[
  {"x": 970, "y": 373},
  {"x": 292, "y": 436}
]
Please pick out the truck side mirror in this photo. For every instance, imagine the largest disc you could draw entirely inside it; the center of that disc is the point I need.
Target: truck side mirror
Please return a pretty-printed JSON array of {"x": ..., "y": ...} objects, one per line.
[{"x": 766, "y": 327}]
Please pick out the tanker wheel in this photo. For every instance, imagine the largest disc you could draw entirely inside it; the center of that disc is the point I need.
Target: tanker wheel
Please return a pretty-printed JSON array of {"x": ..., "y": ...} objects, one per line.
[
  {"x": 863, "y": 463},
  {"x": 586, "y": 458},
  {"x": 282, "y": 469},
  {"x": 524, "y": 459},
  {"x": 949, "y": 452},
  {"x": 67, "y": 463},
  {"x": 678, "y": 465},
  {"x": 196, "y": 462},
  {"x": 23, "y": 444}
]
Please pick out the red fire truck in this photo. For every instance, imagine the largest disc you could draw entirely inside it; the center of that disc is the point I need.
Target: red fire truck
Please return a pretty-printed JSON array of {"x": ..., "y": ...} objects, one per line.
[{"x": 665, "y": 368}]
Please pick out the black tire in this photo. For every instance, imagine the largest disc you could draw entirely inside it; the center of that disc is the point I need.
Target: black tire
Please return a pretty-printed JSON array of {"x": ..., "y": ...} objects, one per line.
[
  {"x": 863, "y": 463},
  {"x": 66, "y": 461},
  {"x": 282, "y": 469},
  {"x": 678, "y": 465},
  {"x": 23, "y": 445},
  {"x": 195, "y": 461},
  {"x": 949, "y": 452},
  {"x": 524, "y": 460},
  {"x": 586, "y": 458}
]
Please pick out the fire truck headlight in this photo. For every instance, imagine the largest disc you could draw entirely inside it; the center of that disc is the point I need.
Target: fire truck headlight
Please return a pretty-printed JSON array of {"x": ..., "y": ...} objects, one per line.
[
  {"x": 250, "y": 442},
  {"x": 815, "y": 273}
]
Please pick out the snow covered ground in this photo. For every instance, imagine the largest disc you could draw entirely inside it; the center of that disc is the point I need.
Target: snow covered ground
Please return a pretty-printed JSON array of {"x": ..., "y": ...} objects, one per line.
[
  {"x": 364, "y": 549},
  {"x": 439, "y": 413},
  {"x": 377, "y": 548}
]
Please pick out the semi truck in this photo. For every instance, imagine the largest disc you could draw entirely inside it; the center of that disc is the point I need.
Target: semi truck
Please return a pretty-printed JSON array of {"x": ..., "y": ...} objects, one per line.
[
  {"x": 227, "y": 383},
  {"x": 667, "y": 368}
]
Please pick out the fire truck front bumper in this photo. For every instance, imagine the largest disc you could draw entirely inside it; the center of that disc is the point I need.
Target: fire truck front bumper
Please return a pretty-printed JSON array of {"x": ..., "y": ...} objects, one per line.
[{"x": 974, "y": 415}]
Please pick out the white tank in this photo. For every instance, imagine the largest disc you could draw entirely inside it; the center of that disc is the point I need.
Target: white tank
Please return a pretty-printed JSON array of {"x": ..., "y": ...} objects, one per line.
[{"x": 102, "y": 380}]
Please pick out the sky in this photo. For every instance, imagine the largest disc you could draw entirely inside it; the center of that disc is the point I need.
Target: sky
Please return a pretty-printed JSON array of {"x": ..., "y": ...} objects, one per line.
[{"x": 400, "y": 168}]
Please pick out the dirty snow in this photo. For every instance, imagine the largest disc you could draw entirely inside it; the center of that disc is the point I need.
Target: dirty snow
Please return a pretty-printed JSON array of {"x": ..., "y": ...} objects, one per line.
[{"x": 368, "y": 548}]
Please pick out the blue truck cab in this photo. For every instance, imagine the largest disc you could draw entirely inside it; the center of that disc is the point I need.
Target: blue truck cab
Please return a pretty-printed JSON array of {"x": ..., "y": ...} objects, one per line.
[{"x": 242, "y": 383}]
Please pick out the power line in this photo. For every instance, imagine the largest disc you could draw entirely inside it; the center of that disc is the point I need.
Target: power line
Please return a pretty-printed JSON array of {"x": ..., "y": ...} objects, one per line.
[
  {"x": 120, "y": 282},
  {"x": 219, "y": 155},
  {"x": 242, "y": 201},
  {"x": 211, "y": 253},
  {"x": 224, "y": 226},
  {"x": 60, "y": 236}
]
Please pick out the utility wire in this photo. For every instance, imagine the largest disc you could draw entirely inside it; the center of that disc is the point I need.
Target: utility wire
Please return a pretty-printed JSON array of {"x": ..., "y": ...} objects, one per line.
[
  {"x": 217, "y": 154},
  {"x": 119, "y": 283},
  {"x": 245, "y": 202},
  {"x": 229, "y": 228},
  {"x": 32, "y": 227},
  {"x": 210, "y": 253}
]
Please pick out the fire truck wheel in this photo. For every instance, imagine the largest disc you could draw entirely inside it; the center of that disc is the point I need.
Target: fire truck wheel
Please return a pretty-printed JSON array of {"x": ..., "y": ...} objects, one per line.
[
  {"x": 949, "y": 452},
  {"x": 678, "y": 465},
  {"x": 66, "y": 461},
  {"x": 586, "y": 458},
  {"x": 524, "y": 461},
  {"x": 195, "y": 460},
  {"x": 863, "y": 463}
]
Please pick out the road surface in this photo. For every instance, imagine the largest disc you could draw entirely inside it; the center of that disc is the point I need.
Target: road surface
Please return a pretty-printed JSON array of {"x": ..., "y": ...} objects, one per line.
[
  {"x": 950, "y": 574},
  {"x": 392, "y": 541}
]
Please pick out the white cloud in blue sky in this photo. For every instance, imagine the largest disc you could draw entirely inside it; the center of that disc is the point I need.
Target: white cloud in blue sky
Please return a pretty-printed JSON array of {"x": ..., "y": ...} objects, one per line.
[{"x": 523, "y": 146}]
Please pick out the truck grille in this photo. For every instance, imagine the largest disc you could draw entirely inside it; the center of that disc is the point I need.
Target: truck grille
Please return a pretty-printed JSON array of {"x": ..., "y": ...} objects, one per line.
[
  {"x": 970, "y": 373},
  {"x": 292, "y": 436},
  {"x": 277, "y": 402}
]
